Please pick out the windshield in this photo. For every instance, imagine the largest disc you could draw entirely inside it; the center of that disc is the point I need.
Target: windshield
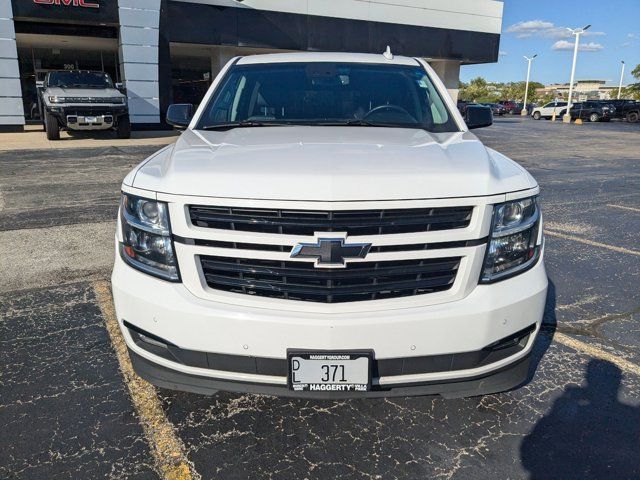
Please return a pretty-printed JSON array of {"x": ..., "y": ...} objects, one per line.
[
  {"x": 79, "y": 79},
  {"x": 327, "y": 94}
]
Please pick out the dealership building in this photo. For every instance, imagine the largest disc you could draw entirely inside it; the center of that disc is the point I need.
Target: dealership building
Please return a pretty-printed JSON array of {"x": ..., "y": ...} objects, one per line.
[{"x": 168, "y": 51}]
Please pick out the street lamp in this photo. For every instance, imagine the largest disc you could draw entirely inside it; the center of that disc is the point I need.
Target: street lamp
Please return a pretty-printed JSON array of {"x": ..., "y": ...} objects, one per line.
[
  {"x": 621, "y": 75},
  {"x": 577, "y": 32},
  {"x": 526, "y": 88}
]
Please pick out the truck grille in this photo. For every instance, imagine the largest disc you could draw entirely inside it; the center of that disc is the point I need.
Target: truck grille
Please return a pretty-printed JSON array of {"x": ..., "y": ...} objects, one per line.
[
  {"x": 354, "y": 222},
  {"x": 359, "y": 281}
]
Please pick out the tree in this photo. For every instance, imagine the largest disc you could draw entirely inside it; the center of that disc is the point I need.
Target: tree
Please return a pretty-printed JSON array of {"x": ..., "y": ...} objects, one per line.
[
  {"x": 515, "y": 91},
  {"x": 632, "y": 91},
  {"x": 474, "y": 91}
]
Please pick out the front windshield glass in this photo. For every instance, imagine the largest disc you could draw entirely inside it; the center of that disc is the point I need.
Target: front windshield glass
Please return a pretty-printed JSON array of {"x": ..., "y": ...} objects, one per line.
[
  {"x": 321, "y": 93},
  {"x": 79, "y": 80}
]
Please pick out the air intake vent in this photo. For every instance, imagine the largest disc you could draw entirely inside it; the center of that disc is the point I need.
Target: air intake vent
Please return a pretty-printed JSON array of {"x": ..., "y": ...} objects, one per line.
[
  {"x": 301, "y": 281},
  {"x": 354, "y": 222}
]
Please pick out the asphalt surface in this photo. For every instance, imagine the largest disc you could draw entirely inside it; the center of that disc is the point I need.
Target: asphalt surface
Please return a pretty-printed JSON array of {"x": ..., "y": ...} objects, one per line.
[{"x": 66, "y": 411}]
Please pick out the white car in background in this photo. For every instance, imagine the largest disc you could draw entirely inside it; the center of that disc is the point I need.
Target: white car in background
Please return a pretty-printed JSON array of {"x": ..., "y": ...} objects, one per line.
[
  {"x": 546, "y": 111},
  {"x": 327, "y": 226}
]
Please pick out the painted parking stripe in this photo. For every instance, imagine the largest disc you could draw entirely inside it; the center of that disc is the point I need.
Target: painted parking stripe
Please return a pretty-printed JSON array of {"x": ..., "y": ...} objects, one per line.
[
  {"x": 622, "y": 207},
  {"x": 166, "y": 447},
  {"x": 613, "y": 248},
  {"x": 593, "y": 351}
]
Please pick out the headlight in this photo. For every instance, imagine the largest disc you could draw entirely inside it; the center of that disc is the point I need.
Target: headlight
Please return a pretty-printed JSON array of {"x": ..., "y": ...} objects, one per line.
[
  {"x": 57, "y": 99},
  {"x": 146, "y": 236},
  {"x": 115, "y": 100},
  {"x": 513, "y": 244}
]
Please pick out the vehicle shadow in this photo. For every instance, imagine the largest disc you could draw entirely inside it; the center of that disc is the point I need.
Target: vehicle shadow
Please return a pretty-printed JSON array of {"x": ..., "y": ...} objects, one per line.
[
  {"x": 588, "y": 434},
  {"x": 545, "y": 337}
]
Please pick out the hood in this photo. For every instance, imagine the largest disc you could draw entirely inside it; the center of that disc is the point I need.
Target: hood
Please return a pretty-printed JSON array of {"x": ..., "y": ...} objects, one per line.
[
  {"x": 329, "y": 164},
  {"x": 84, "y": 92}
]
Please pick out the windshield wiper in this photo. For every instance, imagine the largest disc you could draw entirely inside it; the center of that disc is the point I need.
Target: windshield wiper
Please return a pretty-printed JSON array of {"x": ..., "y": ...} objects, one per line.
[
  {"x": 242, "y": 124},
  {"x": 359, "y": 122}
]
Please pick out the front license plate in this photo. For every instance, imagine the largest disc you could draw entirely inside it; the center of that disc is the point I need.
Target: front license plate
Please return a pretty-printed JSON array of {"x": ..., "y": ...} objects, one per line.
[
  {"x": 91, "y": 119},
  {"x": 329, "y": 371}
]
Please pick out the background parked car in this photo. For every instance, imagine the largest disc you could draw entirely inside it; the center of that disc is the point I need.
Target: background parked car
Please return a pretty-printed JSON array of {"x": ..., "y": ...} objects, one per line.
[
  {"x": 591, "y": 110},
  {"x": 624, "y": 108},
  {"x": 510, "y": 106},
  {"x": 546, "y": 111},
  {"x": 462, "y": 106},
  {"x": 496, "y": 108}
]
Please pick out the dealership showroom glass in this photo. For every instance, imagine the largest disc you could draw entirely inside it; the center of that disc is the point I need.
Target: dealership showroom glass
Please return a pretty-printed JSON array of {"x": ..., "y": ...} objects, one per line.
[{"x": 158, "y": 61}]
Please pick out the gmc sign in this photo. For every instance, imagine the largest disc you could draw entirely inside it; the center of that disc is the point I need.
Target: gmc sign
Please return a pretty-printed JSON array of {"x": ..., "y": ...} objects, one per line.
[
  {"x": 82, "y": 12},
  {"x": 74, "y": 3}
]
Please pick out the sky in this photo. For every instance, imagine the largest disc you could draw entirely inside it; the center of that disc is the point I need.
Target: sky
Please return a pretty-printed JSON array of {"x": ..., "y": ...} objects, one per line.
[{"x": 539, "y": 27}]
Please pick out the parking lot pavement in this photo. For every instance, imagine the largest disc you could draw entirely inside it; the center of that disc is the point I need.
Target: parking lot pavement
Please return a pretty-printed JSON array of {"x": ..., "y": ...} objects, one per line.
[
  {"x": 67, "y": 412},
  {"x": 33, "y": 137}
]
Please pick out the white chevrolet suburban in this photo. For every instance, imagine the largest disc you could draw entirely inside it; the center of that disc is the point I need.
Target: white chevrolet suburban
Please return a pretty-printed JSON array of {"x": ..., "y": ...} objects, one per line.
[{"x": 327, "y": 226}]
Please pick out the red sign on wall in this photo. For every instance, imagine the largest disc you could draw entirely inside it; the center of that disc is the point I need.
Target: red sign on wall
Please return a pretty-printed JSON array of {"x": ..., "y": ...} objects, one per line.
[{"x": 71, "y": 3}]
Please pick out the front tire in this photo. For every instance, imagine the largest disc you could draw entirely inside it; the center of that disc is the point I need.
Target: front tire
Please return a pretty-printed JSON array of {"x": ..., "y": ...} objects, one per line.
[
  {"x": 594, "y": 117},
  {"x": 123, "y": 130},
  {"x": 633, "y": 117},
  {"x": 537, "y": 116},
  {"x": 51, "y": 126}
]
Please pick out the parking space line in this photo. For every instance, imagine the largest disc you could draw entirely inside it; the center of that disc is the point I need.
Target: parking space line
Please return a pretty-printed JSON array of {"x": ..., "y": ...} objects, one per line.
[
  {"x": 613, "y": 248},
  {"x": 621, "y": 363},
  {"x": 167, "y": 449},
  {"x": 622, "y": 207}
]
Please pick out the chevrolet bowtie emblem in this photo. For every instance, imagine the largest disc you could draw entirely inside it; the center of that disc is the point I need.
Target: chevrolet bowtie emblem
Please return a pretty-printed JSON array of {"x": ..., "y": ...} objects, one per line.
[{"x": 330, "y": 252}]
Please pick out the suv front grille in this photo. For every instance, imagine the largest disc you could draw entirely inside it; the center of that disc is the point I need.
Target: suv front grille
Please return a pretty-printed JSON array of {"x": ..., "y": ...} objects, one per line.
[
  {"x": 302, "y": 281},
  {"x": 354, "y": 222}
]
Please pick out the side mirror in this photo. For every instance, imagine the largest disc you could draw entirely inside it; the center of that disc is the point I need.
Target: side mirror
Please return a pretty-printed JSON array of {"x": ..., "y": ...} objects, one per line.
[
  {"x": 179, "y": 114},
  {"x": 119, "y": 86},
  {"x": 478, "y": 116},
  {"x": 40, "y": 84}
]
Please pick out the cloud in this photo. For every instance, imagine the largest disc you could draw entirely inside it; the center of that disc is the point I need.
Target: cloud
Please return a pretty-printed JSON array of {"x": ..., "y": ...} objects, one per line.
[
  {"x": 542, "y": 28},
  {"x": 502, "y": 53},
  {"x": 584, "y": 47},
  {"x": 626, "y": 44},
  {"x": 529, "y": 28},
  {"x": 633, "y": 36}
]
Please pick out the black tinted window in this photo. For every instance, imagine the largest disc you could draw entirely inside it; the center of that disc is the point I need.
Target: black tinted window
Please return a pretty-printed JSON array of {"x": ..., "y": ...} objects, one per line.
[
  {"x": 79, "y": 80},
  {"x": 321, "y": 93}
]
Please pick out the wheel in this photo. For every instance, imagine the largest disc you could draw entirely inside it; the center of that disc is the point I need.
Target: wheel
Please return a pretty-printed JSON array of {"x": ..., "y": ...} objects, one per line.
[
  {"x": 537, "y": 116},
  {"x": 51, "y": 126},
  {"x": 123, "y": 130},
  {"x": 633, "y": 117},
  {"x": 594, "y": 117}
]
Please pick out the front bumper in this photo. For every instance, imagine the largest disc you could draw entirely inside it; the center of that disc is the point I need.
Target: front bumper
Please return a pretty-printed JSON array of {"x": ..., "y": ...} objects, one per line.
[
  {"x": 75, "y": 117},
  {"x": 401, "y": 337}
]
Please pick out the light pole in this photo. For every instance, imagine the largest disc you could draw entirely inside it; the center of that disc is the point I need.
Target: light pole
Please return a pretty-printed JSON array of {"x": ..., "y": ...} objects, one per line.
[
  {"x": 621, "y": 75},
  {"x": 566, "y": 118},
  {"x": 526, "y": 87}
]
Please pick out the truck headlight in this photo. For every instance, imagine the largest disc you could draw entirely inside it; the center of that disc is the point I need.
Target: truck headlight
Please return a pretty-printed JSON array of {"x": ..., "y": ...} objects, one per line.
[
  {"x": 513, "y": 243},
  {"x": 146, "y": 237},
  {"x": 115, "y": 100},
  {"x": 57, "y": 99}
]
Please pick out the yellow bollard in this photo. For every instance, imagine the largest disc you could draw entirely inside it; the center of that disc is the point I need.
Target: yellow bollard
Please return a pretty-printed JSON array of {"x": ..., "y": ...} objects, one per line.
[
  {"x": 578, "y": 121},
  {"x": 553, "y": 117}
]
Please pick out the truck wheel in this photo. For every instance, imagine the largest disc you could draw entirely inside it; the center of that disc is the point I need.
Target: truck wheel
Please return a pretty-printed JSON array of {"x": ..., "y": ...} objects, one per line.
[
  {"x": 536, "y": 115},
  {"x": 51, "y": 126},
  {"x": 123, "y": 130},
  {"x": 594, "y": 117},
  {"x": 632, "y": 117}
]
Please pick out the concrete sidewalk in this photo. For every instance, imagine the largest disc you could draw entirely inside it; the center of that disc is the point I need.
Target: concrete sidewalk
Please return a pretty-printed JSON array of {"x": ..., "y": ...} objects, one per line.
[{"x": 34, "y": 137}]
